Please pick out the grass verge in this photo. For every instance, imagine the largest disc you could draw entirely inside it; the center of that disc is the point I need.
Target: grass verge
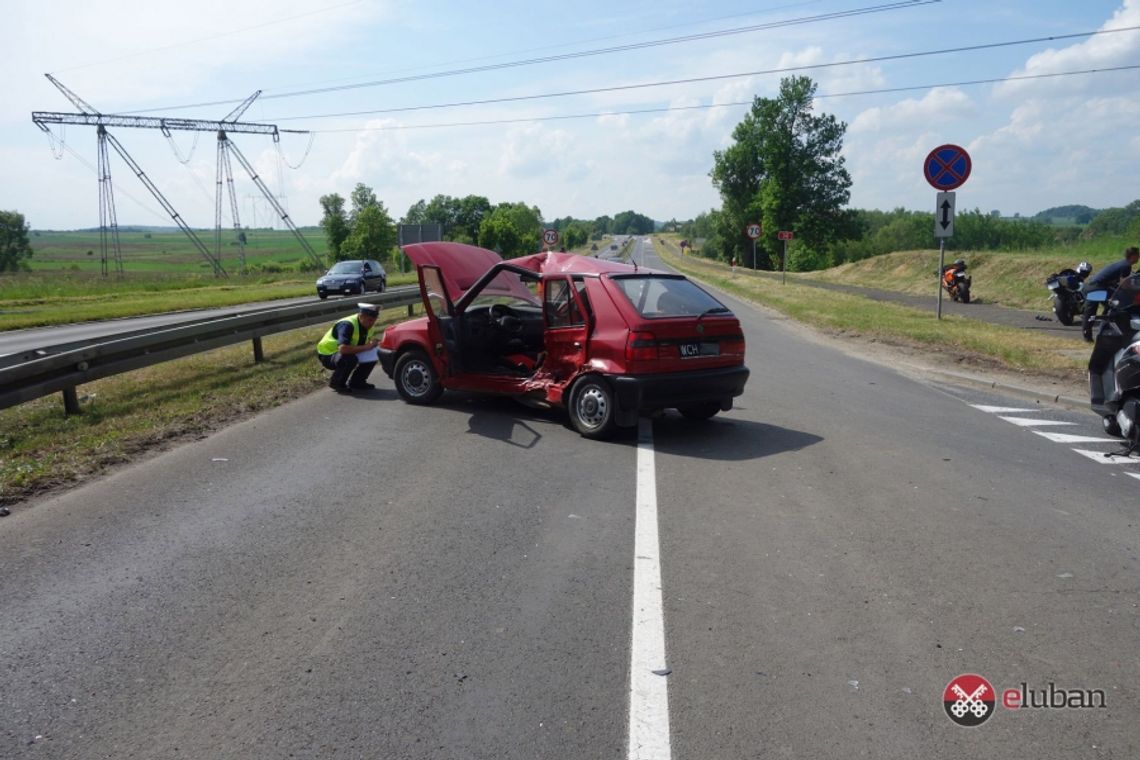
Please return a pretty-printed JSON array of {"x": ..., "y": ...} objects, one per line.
[
  {"x": 962, "y": 340},
  {"x": 138, "y": 297},
  {"x": 141, "y": 412}
]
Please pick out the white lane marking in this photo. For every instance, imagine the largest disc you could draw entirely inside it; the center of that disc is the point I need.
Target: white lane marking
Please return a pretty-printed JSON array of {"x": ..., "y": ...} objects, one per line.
[
  {"x": 648, "y": 692},
  {"x": 1025, "y": 422},
  {"x": 1069, "y": 438},
  {"x": 1135, "y": 475},
  {"x": 1002, "y": 409},
  {"x": 1100, "y": 456}
]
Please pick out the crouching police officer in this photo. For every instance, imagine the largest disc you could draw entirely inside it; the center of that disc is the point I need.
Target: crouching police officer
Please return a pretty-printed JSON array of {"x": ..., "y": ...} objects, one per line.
[{"x": 341, "y": 346}]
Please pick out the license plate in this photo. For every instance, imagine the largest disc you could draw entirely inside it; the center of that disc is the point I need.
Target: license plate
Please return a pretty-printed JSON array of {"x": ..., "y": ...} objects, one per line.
[{"x": 693, "y": 350}]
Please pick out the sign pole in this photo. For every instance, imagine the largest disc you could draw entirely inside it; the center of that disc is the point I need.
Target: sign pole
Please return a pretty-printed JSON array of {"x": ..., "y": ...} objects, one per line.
[
  {"x": 946, "y": 168},
  {"x": 941, "y": 267},
  {"x": 784, "y": 265},
  {"x": 754, "y": 253}
]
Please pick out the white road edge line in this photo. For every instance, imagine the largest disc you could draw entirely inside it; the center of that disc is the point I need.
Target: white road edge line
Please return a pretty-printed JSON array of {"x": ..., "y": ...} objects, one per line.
[
  {"x": 1002, "y": 409},
  {"x": 648, "y": 691},
  {"x": 1027, "y": 422},
  {"x": 1103, "y": 457}
]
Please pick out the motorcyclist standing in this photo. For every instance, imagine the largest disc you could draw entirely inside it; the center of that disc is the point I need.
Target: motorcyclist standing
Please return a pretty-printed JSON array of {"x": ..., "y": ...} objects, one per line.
[{"x": 1107, "y": 279}]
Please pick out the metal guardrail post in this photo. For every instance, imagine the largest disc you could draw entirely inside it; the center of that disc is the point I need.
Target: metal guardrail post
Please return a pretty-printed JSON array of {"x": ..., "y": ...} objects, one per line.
[
  {"x": 70, "y": 401},
  {"x": 411, "y": 310},
  {"x": 258, "y": 352}
]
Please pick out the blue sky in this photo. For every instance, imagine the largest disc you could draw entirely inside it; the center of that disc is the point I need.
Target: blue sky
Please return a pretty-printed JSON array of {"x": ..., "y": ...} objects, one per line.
[{"x": 1034, "y": 143}]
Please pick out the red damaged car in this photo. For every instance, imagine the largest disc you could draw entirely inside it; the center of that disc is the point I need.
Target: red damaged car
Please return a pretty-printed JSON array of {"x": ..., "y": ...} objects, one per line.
[{"x": 607, "y": 341}]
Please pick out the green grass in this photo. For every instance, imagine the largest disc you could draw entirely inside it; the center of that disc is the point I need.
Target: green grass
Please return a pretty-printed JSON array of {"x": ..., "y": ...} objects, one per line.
[
  {"x": 1016, "y": 280},
  {"x": 169, "y": 251},
  {"x": 140, "y": 412},
  {"x": 954, "y": 338},
  {"x": 163, "y": 272}
]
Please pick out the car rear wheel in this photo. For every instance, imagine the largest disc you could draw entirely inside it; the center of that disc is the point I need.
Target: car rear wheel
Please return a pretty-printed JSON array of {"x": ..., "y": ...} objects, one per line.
[
  {"x": 592, "y": 408},
  {"x": 381, "y": 286},
  {"x": 700, "y": 411},
  {"x": 415, "y": 378},
  {"x": 322, "y": 296}
]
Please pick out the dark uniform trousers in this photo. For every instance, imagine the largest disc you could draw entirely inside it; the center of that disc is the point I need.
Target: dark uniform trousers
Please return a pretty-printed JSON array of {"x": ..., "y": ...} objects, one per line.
[{"x": 346, "y": 369}]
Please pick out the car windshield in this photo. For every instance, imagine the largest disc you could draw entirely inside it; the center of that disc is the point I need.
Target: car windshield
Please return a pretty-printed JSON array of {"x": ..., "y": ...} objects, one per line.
[
  {"x": 656, "y": 296},
  {"x": 509, "y": 288},
  {"x": 346, "y": 267}
]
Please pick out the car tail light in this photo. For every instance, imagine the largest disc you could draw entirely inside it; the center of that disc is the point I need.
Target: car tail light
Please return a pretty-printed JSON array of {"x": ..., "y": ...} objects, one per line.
[
  {"x": 732, "y": 344},
  {"x": 641, "y": 347}
]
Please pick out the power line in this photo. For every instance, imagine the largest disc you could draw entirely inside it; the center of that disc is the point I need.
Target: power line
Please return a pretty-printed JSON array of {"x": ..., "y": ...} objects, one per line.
[
  {"x": 574, "y": 55},
  {"x": 571, "y": 43},
  {"x": 207, "y": 39},
  {"x": 711, "y": 78},
  {"x": 703, "y": 106}
]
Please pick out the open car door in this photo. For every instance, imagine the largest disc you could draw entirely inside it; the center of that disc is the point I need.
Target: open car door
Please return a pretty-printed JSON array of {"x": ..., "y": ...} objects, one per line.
[{"x": 440, "y": 314}]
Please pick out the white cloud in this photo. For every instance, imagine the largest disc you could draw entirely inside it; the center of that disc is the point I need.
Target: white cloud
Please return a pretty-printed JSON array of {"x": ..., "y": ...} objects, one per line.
[{"x": 940, "y": 104}]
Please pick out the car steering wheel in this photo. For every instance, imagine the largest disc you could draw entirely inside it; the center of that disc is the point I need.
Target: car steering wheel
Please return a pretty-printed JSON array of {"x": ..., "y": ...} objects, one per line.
[{"x": 505, "y": 318}]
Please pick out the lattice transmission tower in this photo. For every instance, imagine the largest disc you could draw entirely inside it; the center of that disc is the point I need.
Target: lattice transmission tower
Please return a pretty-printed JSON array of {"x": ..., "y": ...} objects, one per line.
[{"x": 108, "y": 223}]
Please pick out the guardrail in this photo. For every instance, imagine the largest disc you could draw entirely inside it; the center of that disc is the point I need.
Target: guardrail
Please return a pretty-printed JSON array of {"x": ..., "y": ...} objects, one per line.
[{"x": 62, "y": 368}]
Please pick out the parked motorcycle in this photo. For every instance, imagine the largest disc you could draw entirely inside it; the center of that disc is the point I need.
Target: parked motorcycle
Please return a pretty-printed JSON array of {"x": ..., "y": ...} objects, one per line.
[
  {"x": 956, "y": 281},
  {"x": 1067, "y": 290},
  {"x": 1114, "y": 366}
]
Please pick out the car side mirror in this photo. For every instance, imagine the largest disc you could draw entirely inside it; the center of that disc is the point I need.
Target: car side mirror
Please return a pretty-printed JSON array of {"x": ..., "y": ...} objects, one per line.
[{"x": 1097, "y": 296}]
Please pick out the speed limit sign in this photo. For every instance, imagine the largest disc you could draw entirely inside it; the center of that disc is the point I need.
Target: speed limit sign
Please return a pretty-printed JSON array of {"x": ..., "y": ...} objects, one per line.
[
  {"x": 752, "y": 231},
  {"x": 550, "y": 237}
]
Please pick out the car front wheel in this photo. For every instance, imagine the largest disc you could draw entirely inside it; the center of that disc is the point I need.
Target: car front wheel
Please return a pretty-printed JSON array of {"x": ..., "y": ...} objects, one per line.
[
  {"x": 415, "y": 378},
  {"x": 592, "y": 408}
]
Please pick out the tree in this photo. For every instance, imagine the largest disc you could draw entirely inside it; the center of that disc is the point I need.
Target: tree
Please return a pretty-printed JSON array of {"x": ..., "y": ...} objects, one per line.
[
  {"x": 14, "y": 246},
  {"x": 512, "y": 229},
  {"x": 784, "y": 170},
  {"x": 362, "y": 197},
  {"x": 417, "y": 213},
  {"x": 334, "y": 223},
  {"x": 373, "y": 235}
]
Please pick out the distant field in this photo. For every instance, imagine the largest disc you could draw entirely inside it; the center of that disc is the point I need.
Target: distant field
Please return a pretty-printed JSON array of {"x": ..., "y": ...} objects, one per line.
[
  {"x": 162, "y": 272},
  {"x": 171, "y": 252}
]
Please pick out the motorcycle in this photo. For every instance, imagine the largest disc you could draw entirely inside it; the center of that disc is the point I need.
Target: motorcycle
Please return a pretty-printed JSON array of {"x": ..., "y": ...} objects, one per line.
[
  {"x": 1067, "y": 291},
  {"x": 957, "y": 284},
  {"x": 1114, "y": 366}
]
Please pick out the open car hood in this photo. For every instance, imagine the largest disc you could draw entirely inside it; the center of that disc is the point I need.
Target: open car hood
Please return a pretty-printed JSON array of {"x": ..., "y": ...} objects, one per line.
[{"x": 461, "y": 266}]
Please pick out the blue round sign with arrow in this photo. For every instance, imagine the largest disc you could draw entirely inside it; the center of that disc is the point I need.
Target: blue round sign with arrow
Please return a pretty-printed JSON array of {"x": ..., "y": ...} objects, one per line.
[{"x": 947, "y": 167}]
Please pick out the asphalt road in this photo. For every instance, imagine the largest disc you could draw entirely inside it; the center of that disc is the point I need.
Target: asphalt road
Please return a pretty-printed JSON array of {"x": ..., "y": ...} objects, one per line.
[{"x": 355, "y": 577}]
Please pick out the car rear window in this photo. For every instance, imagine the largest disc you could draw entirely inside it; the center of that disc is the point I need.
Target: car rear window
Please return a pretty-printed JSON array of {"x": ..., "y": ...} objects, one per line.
[{"x": 665, "y": 296}]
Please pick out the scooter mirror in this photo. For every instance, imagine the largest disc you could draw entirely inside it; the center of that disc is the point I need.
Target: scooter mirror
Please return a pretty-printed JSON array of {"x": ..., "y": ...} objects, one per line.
[{"x": 1097, "y": 296}]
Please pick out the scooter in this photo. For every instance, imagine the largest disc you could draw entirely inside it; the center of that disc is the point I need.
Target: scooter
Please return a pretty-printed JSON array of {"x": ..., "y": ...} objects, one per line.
[
  {"x": 1067, "y": 291},
  {"x": 1114, "y": 366}
]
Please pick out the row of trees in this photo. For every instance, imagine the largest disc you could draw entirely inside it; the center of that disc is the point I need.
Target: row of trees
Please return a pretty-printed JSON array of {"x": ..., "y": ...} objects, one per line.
[{"x": 512, "y": 229}]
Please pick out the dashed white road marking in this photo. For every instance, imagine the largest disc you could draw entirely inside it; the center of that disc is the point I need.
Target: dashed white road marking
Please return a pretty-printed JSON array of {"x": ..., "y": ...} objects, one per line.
[
  {"x": 648, "y": 691},
  {"x": 1135, "y": 475},
  {"x": 1069, "y": 438},
  {"x": 1105, "y": 458},
  {"x": 1002, "y": 409},
  {"x": 1027, "y": 422}
]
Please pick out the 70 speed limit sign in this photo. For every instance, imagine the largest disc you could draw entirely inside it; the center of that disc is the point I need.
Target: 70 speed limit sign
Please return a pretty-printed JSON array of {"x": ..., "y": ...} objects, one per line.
[
  {"x": 550, "y": 237},
  {"x": 753, "y": 231}
]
